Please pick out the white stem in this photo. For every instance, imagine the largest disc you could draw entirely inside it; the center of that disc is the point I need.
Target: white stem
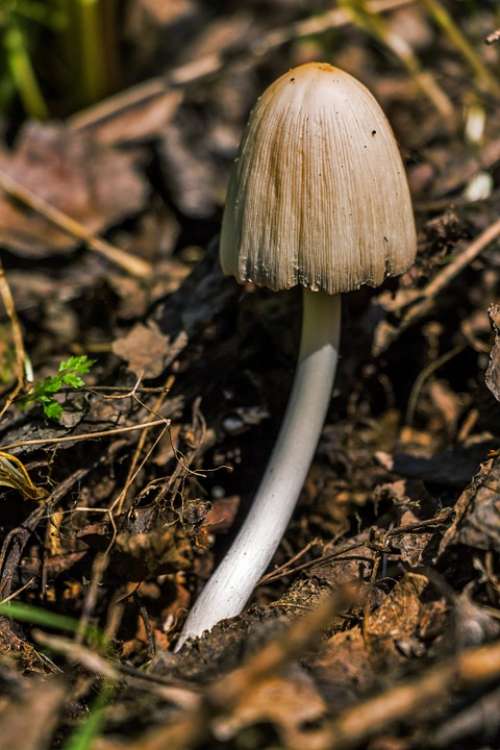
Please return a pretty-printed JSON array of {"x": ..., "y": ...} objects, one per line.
[{"x": 233, "y": 582}]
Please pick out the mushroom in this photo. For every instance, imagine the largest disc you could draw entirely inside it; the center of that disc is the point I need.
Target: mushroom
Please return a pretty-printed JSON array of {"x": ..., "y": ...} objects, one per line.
[{"x": 318, "y": 197}]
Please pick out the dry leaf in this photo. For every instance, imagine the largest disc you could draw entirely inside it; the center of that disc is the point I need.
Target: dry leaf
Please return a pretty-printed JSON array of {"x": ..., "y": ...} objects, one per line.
[
  {"x": 13, "y": 474},
  {"x": 222, "y": 514},
  {"x": 28, "y": 723},
  {"x": 93, "y": 184},
  {"x": 144, "y": 349},
  {"x": 492, "y": 376},
  {"x": 292, "y": 703},
  {"x": 343, "y": 667},
  {"x": 481, "y": 524},
  {"x": 390, "y": 629},
  {"x": 140, "y": 123}
]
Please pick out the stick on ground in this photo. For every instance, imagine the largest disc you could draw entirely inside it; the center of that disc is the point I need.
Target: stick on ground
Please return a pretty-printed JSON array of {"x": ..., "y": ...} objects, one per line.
[{"x": 134, "y": 266}]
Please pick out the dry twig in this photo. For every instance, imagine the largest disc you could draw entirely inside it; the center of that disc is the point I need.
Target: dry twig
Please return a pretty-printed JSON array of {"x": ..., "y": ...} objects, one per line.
[
  {"x": 420, "y": 302},
  {"x": 17, "y": 337},
  {"x": 135, "y": 465},
  {"x": 134, "y": 266},
  {"x": 85, "y": 435}
]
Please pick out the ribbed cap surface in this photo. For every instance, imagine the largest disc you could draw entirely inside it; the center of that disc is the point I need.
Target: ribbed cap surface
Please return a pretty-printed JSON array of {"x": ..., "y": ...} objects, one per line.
[{"x": 318, "y": 195}]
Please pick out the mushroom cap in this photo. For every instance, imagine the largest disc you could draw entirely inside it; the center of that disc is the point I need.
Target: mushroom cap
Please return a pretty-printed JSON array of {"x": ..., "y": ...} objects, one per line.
[{"x": 318, "y": 195}]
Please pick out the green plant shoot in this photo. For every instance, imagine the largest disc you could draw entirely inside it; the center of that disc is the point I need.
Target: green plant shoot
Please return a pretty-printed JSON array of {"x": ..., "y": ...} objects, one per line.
[{"x": 69, "y": 375}]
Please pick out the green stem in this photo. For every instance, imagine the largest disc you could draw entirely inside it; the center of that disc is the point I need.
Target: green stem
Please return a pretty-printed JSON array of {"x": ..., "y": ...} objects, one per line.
[
  {"x": 22, "y": 72},
  {"x": 441, "y": 16},
  {"x": 94, "y": 78}
]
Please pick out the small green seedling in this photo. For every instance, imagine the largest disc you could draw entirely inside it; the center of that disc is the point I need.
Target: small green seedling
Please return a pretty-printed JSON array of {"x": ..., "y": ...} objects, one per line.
[{"x": 69, "y": 375}]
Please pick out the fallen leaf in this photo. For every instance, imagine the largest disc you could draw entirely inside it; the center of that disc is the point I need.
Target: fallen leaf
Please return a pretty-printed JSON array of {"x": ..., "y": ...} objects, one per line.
[
  {"x": 342, "y": 668},
  {"x": 137, "y": 123},
  {"x": 492, "y": 376},
  {"x": 190, "y": 171},
  {"x": 291, "y": 702},
  {"x": 480, "y": 526},
  {"x": 389, "y": 630},
  {"x": 221, "y": 515},
  {"x": 94, "y": 184},
  {"x": 28, "y": 722},
  {"x": 144, "y": 349},
  {"x": 13, "y": 474}
]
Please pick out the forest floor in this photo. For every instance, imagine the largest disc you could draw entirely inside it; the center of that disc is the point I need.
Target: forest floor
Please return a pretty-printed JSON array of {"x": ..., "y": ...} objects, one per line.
[{"x": 142, "y": 392}]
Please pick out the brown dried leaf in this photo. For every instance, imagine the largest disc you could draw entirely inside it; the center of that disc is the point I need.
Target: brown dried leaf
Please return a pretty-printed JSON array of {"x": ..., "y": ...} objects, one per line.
[
  {"x": 492, "y": 376},
  {"x": 151, "y": 553},
  {"x": 290, "y": 702},
  {"x": 481, "y": 524},
  {"x": 222, "y": 514},
  {"x": 95, "y": 185},
  {"x": 144, "y": 349},
  {"x": 27, "y": 723},
  {"x": 343, "y": 667},
  {"x": 138, "y": 123},
  {"x": 13, "y": 474},
  {"x": 412, "y": 546},
  {"x": 189, "y": 170},
  {"x": 390, "y": 629}
]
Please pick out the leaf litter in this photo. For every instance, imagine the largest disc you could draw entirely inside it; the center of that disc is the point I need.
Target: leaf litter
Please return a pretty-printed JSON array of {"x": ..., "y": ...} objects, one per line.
[{"x": 377, "y": 624}]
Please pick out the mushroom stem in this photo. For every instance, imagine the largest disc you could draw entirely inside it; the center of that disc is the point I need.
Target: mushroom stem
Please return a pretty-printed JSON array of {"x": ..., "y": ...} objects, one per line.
[{"x": 233, "y": 582}]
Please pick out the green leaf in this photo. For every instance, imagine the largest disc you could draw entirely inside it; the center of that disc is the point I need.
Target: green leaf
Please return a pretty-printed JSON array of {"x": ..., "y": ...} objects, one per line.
[
  {"x": 49, "y": 385},
  {"x": 53, "y": 410},
  {"x": 38, "y": 616},
  {"x": 80, "y": 364},
  {"x": 69, "y": 375},
  {"x": 74, "y": 381}
]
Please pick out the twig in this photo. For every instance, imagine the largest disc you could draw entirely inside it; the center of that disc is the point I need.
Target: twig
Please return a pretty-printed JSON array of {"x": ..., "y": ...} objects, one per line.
[
  {"x": 422, "y": 377},
  {"x": 420, "y": 303},
  {"x": 85, "y": 435},
  {"x": 175, "y": 691},
  {"x": 461, "y": 507},
  {"x": 457, "y": 265},
  {"x": 213, "y": 63},
  {"x": 286, "y": 569},
  {"x": 443, "y": 278},
  {"x": 17, "y": 338},
  {"x": 78, "y": 654},
  {"x": 131, "y": 264},
  {"x": 278, "y": 573},
  {"x": 18, "y": 591},
  {"x": 133, "y": 468},
  {"x": 118, "y": 501}
]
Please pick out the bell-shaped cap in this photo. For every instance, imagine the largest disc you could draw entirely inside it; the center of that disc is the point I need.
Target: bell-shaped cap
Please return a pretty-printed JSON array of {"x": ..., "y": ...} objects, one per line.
[{"x": 318, "y": 195}]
